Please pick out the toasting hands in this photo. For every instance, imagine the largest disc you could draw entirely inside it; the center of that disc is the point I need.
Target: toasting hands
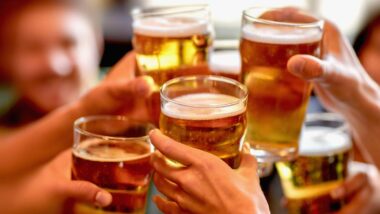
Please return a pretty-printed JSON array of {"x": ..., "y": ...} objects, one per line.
[{"x": 206, "y": 184}]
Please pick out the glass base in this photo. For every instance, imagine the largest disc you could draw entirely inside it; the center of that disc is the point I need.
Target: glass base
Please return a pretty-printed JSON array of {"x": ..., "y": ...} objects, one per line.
[{"x": 274, "y": 155}]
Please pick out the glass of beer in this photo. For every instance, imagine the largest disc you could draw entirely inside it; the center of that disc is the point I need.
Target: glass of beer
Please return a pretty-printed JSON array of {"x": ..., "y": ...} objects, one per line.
[
  {"x": 113, "y": 152},
  {"x": 206, "y": 112},
  {"x": 171, "y": 42},
  {"x": 322, "y": 165},
  {"x": 277, "y": 99}
]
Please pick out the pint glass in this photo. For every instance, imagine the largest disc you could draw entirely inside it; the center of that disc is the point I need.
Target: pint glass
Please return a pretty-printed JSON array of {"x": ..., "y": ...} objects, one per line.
[
  {"x": 322, "y": 165},
  {"x": 206, "y": 112},
  {"x": 277, "y": 99},
  {"x": 170, "y": 39},
  {"x": 171, "y": 42},
  {"x": 113, "y": 152}
]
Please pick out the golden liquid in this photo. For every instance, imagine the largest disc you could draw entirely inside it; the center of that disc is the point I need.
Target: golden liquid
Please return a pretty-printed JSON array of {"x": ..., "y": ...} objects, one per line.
[
  {"x": 164, "y": 58},
  {"x": 220, "y": 134},
  {"x": 277, "y": 99},
  {"x": 171, "y": 47},
  {"x": 308, "y": 180},
  {"x": 122, "y": 168}
]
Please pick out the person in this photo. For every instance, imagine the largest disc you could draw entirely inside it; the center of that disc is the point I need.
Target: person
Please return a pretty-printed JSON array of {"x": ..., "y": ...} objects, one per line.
[
  {"x": 367, "y": 46},
  {"x": 343, "y": 86},
  {"x": 49, "y": 52},
  {"x": 35, "y": 169}
]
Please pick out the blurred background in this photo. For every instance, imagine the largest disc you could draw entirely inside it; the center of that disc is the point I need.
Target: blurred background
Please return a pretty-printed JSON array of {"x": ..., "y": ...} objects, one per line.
[
  {"x": 113, "y": 16},
  {"x": 226, "y": 14}
]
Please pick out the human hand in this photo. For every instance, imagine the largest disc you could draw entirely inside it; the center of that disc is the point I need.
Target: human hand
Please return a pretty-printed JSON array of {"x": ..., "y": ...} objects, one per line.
[
  {"x": 123, "y": 69},
  {"x": 206, "y": 184},
  {"x": 343, "y": 86},
  {"x": 126, "y": 97},
  {"x": 361, "y": 192},
  {"x": 47, "y": 189}
]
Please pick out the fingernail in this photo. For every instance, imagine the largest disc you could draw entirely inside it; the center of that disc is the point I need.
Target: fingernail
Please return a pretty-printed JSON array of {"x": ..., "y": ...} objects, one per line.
[
  {"x": 299, "y": 66},
  {"x": 102, "y": 199},
  {"x": 142, "y": 89},
  {"x": 337, "y": 193},
  {"x": 152, "y": 131}
]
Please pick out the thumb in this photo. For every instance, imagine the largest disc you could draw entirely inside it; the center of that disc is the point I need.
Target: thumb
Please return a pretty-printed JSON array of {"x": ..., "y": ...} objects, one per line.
[
  {"x": 351, "y": 186},
  {"x": 141, "y": 86},
  {"x": 248, "y": 164},
  {"x": 86, "y": 192},
  {"x": 311, "y": 68}
]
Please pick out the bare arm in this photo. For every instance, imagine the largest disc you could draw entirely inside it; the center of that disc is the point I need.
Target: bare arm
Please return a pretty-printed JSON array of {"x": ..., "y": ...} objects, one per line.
[
  {"x": 344, "y": 86},
  {"x": 41, "y": 141}
]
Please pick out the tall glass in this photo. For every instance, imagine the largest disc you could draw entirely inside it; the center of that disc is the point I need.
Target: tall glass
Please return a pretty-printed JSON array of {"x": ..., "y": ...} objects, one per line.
[
  {"x": 322, "y": 165},
  {"x": 113, "y": 152},
  {"x": 277, "y": 99},
  {"x": 206, "y": 112},
  {"x": 171, "y": 42}
]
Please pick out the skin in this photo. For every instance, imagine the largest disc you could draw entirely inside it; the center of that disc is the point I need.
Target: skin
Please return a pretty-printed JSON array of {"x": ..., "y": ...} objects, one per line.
[
  {"x": 370, "y": 55},
  {"x": 52, "y": 55},
  {"x": 205, "y": 184},
  {"x": 362, "y": 192},
  {"x": 47, "y": 188},
  {"x": 344, "y": 86}
]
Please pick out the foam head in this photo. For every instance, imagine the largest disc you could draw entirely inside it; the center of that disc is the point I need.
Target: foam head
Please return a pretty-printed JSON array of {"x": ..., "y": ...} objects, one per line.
[
  {"x": 111, "y": 151},
  {"x": 272, "y": 35},
  {"x": 170, "y": 27},
  {"x": 323, "y": 141},
  {"x": 202, "y": 106}
]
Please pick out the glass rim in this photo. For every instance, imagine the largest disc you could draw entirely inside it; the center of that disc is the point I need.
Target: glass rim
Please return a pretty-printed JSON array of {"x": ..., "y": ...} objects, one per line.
[
  {"x": 168, "y": 10},
  {"x": 202, "y": 77},
  {"x": 318, "y": 23},
  {"x": 92, "y": 118}
]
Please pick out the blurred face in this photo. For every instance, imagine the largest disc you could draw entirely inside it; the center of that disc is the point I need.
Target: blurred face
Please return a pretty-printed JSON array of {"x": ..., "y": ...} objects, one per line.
[
  {"x": 53, "y": 57},
  {"x": 370, "y": 55}
]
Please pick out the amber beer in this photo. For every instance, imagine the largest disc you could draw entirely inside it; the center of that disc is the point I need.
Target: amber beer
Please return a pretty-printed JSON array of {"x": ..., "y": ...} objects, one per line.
[
  {"x": 169, "y": 47},
  {"x": 123, "y": 169},
  {"x": 171, "y": 42},
  {"x": 204, "y": 117},
  {"x": 277, "y": 99},
  {"x": 322, "y": 166},
  {"x": 119, "y": 165}
]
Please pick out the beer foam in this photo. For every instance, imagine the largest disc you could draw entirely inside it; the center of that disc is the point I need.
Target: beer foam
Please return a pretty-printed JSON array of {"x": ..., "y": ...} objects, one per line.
[
  {"x": 203, "y": 106},
  {"x": 92, "y": 150},
  {"x": 322, "y": 141},
  {"x": 278, "y": 36},
  {"x": 170, "y": 27}
]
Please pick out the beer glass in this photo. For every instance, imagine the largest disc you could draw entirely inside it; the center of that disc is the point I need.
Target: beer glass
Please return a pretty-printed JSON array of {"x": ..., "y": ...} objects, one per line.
[
  {"x": 113, "y": 152},
  {"x": 322, "y": 165},
  {"x": 206, "y": 112},
  {"x": 171, "y": 42},
  {"x": 277, "y": 99},
  {"x": 168, "y": 40}
]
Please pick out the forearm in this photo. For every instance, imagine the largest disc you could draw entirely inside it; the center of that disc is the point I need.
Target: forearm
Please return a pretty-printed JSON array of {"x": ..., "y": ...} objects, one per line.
[
  {"x": 364, "y": 120},
  {"x": 37, "y": 143}
]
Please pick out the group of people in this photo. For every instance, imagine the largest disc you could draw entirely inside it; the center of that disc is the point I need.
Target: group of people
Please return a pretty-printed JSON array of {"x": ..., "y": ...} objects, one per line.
[{"x": 49, "y": 52}]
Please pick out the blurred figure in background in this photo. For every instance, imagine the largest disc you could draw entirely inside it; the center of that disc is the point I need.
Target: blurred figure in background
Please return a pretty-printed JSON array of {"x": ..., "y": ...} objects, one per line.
[
  {"x": 49, "y": 52},
  {"x": 367, "y": 47}
]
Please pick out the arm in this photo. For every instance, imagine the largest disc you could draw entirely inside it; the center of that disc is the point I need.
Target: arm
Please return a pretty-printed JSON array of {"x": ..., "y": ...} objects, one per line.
[
  {"x": 344, "y": 87},
  {"x": 42, "y": 140}
]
